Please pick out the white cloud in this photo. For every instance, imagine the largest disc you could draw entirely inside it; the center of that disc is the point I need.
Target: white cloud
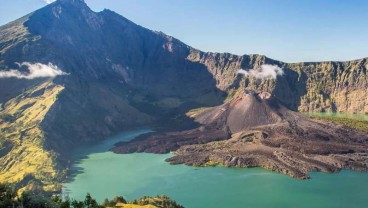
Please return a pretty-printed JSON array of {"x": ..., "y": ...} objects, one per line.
[
  {"x": 264, "y": 72},
  {"x": 36, "y": 70},
  {"x": 48, "y": 1}
]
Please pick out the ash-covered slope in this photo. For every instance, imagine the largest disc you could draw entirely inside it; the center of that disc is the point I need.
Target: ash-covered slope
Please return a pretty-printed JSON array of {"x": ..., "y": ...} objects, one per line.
[
  {"x": 263, "y": 133},
  {"x": 245, "y": 111},
  {"x": 280, "y": 140},
  {"x": 119, "y": 75}
]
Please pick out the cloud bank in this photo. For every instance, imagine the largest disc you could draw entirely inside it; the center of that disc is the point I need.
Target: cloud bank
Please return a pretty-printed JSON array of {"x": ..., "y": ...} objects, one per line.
[
  {"x": 36, "y": 70},
  {"x": 264, "y": 72},
  {"x": 48, "y": 1}
]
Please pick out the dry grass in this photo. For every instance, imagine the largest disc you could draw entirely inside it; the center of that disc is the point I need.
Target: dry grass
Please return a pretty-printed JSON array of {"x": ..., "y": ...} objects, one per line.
[
  {"x": 122, "y": 205},
  {"x": 20, "y": 124},
  {"x": 350, "y": 122}
]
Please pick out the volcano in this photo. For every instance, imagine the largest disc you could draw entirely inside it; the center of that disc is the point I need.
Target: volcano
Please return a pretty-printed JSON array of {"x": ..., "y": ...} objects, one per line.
[
  {"x": 110, "y": 75},
  {"x": 255, "y": 129}
]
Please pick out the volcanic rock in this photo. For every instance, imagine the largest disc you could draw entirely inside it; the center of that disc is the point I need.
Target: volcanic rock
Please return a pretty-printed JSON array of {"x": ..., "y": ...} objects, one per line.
[{"x": 263, "y": 133}]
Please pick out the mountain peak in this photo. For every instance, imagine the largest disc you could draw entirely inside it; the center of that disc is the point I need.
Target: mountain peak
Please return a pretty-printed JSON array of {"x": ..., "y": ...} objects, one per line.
[
  {"x": 69, "y": 12},
  {"x": 259, "y": 94},
  {"x": 75, "y": 3},
  {"x": 79, "y": 4},
  {"x": 72, "y": 1}
]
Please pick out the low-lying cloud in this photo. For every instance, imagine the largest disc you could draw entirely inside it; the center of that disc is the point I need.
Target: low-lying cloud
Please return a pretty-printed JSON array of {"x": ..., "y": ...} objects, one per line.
[
  {"x": 36, "y": 70},
  {"x": 48, "y": 1},
  {"x": 266, "y": 71}
]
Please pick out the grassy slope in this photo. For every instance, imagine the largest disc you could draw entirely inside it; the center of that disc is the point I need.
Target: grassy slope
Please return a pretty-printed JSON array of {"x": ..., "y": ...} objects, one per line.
[
  {"x": 350, "y": 122},
  {"x": 13, "y": 33},
  {"x": 24, "y": 159},
  {"x": 150, "y": 202},
  {"x": 122, "y": 205}
]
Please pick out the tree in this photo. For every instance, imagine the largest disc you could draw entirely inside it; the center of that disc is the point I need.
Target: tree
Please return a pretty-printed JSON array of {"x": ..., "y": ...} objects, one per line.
[
  {"x": 106, "y": 202},
  {"x": 7, "y": 196},
  {"x": 62, "y": 203},
  {"x": 77, "y": 204},
  {"x": 89, "y": 202},
  {"x": 32, "y": 200},
  {"x": 118, "y": 199},
  {"x": 65, "y": 204}
]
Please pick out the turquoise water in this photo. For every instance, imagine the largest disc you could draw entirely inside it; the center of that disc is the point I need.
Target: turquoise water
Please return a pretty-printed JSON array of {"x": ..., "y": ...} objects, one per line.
[{"x": 105, "y": 174}]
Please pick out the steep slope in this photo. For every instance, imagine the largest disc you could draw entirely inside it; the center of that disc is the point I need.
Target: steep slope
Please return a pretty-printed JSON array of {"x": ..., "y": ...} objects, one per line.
[
  {"x": 119, "y": 71},
  {"x": 24, "y": 157},
  {"x": 323, "y": 86},
  {"x": 335, "y": 86},
  {"x": 243, "y": 112},
  {"x": 119, "y": 75},
  {"x": 259, "y": 131},
  {"x": 273, "y": 137}
]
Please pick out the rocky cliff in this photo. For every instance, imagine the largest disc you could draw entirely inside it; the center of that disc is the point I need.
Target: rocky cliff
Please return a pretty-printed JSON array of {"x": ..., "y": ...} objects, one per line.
[
  {"x": 316, "y": 87},
  {"x": 115, "y": 75}
]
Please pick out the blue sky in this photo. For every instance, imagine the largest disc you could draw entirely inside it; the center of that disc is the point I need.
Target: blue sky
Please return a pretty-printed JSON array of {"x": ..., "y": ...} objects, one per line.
[{"x": 287, "y": 30}]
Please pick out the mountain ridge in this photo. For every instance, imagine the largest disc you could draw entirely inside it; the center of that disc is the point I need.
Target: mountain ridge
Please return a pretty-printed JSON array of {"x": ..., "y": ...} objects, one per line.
[{"x": 122, "y": 75}]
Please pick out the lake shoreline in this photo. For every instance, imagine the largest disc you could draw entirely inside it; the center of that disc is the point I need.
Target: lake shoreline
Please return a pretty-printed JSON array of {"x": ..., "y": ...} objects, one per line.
[{"x": 106, "y": 174}]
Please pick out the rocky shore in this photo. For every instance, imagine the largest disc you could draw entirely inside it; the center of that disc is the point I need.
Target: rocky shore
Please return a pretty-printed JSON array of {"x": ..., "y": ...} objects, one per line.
[{"x": 257, "y": 130}]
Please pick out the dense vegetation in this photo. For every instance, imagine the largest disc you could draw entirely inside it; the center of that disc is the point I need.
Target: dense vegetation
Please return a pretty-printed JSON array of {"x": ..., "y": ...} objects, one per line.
[{"x": 9, "y": 198}]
